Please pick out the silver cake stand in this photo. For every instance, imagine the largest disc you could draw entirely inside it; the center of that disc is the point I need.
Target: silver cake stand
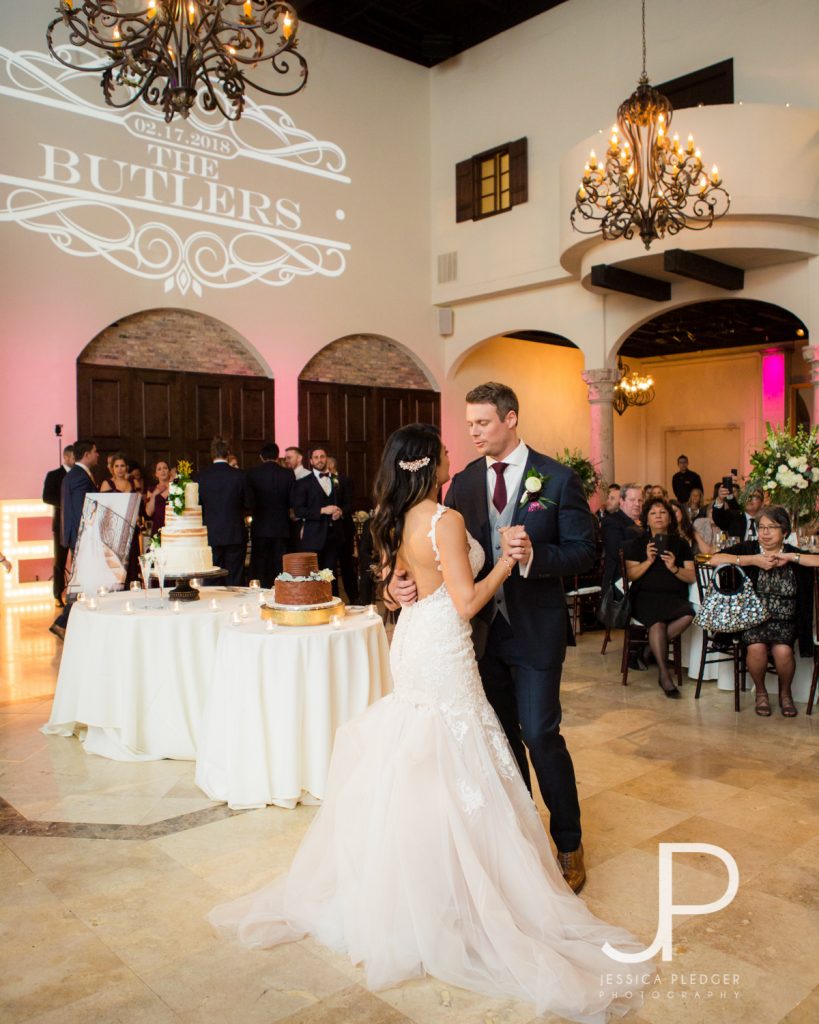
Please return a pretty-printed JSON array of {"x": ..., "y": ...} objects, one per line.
[{"x": 183, "y": 591}]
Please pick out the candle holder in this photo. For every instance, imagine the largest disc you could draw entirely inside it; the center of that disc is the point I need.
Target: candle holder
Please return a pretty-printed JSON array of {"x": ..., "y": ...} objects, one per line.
[
  {"x": 177, "y": 607},
  {"x": 214, "y": 605},
  {"x": 255, "y": 584},
  {"x": 129, "y": 608},
  {"x": 92, "y": 604}
]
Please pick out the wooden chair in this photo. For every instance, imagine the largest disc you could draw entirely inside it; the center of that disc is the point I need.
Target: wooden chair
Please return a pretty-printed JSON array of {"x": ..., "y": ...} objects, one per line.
[
  {"x": 713, "y": 651},
  {"x": 635, "y": 638}
]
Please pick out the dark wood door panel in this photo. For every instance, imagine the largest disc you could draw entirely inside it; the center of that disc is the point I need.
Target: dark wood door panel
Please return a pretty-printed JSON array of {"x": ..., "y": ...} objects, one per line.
[
  {"x": 153, "y": 414},
  {"x": 209, "y": 405},
  {"x": 353, "y": 423}
]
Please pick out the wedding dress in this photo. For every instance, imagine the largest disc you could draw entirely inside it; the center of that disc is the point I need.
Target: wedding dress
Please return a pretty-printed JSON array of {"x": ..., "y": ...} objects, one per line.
[{"x": 428, "y": 854}]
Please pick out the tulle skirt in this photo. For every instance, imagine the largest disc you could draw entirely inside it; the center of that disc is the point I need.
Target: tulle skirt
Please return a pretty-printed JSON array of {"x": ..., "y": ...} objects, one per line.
[{"x": 424, "y": 859}]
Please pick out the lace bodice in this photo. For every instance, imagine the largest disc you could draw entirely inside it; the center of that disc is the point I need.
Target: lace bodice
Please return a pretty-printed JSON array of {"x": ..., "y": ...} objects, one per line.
[{"x": 476, "y": 553}]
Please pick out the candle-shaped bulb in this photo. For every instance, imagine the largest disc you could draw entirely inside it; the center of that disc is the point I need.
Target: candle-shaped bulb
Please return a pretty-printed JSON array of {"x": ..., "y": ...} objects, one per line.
[
  {"x": 248, "y": 9},
  {"x": 581, "y": 194},
  {"x": 592, "y": 159},
  {"x": 191, "y": 12},
  {"x": 715, "y": 174},
  {"x": 287, "y": 25},
  {"x": 117, "y": 36},
  {"x": 151, "y": 12}
]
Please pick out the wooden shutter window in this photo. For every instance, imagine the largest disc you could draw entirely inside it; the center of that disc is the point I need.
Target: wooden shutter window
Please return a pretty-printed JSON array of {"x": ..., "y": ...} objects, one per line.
[
  {"x": 519, "y": 171},
  {"x": 464, "y": 191}
]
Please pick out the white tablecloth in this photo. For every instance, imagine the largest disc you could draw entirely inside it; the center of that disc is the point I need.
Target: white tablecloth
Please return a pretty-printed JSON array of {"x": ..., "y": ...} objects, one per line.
[
  {"x": 276, "y": 700},
  {"x": 133, "y": 687}
]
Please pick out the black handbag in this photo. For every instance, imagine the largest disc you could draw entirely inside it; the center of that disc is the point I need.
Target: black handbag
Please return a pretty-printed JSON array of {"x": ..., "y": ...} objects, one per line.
[{"x": 615, "y": 608}]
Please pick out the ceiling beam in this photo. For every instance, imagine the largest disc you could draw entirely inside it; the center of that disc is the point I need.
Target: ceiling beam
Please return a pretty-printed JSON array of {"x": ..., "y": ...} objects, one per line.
[
  {"x": 704, "y": 269},
  {"x": 617, "y": 280}
]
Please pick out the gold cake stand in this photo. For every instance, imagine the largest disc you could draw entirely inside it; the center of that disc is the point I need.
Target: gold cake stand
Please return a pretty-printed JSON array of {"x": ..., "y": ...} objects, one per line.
[{"x": 289, "y": 616}]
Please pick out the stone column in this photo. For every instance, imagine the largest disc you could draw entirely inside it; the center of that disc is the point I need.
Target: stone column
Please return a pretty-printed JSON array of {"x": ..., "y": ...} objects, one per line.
[
  {"x": 601, "y": 395},
  {"x": 810, "y": 353}
]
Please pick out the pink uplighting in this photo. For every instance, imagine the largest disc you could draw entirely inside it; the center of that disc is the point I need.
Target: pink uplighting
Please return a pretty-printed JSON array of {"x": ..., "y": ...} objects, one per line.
[{"x": 773, "y": 387}]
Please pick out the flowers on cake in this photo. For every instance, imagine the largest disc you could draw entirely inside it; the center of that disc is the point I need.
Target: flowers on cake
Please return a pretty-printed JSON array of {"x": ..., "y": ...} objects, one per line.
[
  {"x": 176, "y": 489},
  {"x": 321, "y": 576}
]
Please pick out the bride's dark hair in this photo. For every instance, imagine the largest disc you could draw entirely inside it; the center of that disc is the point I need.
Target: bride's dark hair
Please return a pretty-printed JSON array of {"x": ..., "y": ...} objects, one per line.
[{"x": 401, "y": 483}]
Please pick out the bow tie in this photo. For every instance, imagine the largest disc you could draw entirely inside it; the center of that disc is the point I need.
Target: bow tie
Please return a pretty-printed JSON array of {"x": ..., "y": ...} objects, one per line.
[{"x": 324, "y": 474}]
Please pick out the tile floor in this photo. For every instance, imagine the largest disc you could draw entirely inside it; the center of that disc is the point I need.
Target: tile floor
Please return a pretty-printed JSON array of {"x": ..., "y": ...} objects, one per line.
[{"x": 107, "y": 869}]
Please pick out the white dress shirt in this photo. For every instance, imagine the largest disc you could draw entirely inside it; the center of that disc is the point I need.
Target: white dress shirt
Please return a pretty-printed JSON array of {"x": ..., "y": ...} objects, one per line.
[
  {"x": 324, "y": 481},
  {"x": 512, "y": 476}
]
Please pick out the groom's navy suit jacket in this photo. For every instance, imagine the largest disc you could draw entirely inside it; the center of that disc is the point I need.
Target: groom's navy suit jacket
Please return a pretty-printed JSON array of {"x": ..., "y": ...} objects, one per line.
[{"x": 563, "y": 541}]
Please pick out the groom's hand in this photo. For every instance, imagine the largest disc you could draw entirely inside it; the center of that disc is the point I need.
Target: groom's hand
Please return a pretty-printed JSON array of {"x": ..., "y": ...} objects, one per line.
[
  {"x": 519, "y": 544},
  {"x": 401, "y": 591}
]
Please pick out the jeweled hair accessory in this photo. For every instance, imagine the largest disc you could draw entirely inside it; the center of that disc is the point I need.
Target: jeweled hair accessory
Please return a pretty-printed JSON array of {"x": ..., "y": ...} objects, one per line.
[{"x": 415, "y": 465}]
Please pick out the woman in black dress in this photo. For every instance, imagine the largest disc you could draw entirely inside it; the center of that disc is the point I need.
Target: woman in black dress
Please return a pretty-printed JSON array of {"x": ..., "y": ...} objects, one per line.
[
  {"x": 782, "y": 575},
  {"x": 660, "y": 567}
]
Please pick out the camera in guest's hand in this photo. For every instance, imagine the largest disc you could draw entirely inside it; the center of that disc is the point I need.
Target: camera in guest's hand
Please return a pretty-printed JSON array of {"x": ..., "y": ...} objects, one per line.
[
  {"x": 728, "y": 481},
  {"x": 660, "y": 542}
]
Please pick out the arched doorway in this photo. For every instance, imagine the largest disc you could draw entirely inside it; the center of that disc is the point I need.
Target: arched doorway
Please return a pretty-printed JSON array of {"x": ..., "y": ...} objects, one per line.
[
  {"x": 163, "y": 383},
  {"x": 721, "y": 369},
  {"x": 353, "y": 394}
]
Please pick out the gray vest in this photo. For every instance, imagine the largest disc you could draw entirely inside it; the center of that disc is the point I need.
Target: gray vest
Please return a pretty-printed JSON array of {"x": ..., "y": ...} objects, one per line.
[{"x": 496, "y": 520}]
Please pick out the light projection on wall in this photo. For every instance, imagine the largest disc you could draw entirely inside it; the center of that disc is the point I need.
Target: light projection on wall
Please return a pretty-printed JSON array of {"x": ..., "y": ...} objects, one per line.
[{"x": 181, "y": 214}]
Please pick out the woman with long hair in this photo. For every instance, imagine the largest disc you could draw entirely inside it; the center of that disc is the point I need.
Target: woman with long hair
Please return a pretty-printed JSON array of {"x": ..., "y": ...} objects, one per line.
[{"x": 428, "y": 854}]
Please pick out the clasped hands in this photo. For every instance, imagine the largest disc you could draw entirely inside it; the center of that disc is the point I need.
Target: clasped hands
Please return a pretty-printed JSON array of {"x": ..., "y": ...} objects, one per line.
[
  {"x": 332, "y": 510},
  {"x": 515, "y": 543},
  {"x": 771, "y": 560}
]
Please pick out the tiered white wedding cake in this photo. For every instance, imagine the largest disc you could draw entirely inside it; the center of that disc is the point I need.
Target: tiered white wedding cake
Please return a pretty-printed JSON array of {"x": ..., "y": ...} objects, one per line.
[{"x": 183, "y": 538}]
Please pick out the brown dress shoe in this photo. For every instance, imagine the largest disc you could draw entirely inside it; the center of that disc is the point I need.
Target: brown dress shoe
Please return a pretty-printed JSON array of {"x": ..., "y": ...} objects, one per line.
[{"x": 573, "y": 868}]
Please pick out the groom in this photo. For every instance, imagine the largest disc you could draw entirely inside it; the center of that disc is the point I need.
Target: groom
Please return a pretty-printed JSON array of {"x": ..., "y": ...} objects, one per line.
[{"x": 520, "y": 636}]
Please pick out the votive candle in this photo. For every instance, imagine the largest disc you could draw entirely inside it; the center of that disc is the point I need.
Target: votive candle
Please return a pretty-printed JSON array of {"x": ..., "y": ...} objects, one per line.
[
  {"x": 214, "y": 604},
  {"x": 129, "y": 608},
  {"x": 177, "y": 607}
]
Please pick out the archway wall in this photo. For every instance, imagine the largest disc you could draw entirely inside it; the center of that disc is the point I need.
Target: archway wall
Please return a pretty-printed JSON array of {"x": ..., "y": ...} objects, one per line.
[
  {"x": 368, "y": 360},
  {"x": 554, "y": 412},
  {"x": 174, "y": 339}
]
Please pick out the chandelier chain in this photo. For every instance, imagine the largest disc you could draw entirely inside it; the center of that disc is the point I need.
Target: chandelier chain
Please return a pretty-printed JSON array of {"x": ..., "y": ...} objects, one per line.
[{"x": 645, "y": 76}]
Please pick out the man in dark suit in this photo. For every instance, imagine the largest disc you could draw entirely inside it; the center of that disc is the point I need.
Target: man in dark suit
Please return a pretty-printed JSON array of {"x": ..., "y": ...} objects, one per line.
[
  {"x": 619, "y": 528},
  {"x": 346, "y": 555},
  {"x": 269, "y": 488},
  {"x": 52, "y": 495},
  {"x": 223, "y": 495},
  {"x": 520, "y": 636},
  {"x": 319, "y": 505},
  {"x": 78, "y": 482},
  {"x": 733, "y": 520}
]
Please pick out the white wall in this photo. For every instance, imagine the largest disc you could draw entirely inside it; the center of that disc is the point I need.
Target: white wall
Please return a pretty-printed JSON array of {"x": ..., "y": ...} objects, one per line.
[{"x": 374, "y": 107}]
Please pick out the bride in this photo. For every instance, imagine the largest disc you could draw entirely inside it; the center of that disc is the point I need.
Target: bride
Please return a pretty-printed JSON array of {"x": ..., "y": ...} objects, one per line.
[{"x": 428, "y": 855}]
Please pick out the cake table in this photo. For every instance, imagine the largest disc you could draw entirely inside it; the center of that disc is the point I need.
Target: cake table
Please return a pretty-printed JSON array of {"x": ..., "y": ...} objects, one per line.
[{"x": 275, "y": 701}]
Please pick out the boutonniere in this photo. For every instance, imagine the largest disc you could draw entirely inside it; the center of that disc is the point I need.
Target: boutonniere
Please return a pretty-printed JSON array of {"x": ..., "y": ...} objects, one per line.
[
  {"x": 334, "y": 478},
  {"x": 533, "y": 496}
]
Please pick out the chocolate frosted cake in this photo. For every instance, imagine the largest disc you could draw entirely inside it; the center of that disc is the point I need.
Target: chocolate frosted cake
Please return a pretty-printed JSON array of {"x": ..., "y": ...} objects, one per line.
[{"x": 301, "y": 583}]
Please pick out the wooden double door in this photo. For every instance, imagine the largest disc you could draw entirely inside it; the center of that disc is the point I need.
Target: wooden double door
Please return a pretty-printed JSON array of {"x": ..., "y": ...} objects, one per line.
[
  {"x": 165, "y": 414},
  {"x": 353, "y": 423}
]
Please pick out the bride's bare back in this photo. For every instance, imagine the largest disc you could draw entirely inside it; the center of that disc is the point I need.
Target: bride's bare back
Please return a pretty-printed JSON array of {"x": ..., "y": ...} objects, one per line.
[{"x": 415, "y": 556}]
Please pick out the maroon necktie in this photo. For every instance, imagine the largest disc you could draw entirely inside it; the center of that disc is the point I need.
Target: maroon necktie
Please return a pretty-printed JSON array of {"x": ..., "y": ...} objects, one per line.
[{"x": 499, "y": 497}]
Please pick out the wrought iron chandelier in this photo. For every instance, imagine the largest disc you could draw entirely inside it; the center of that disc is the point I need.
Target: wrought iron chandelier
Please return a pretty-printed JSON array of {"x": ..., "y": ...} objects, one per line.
[
  {"x": 632, "y": 388},
  {"x": 649, "y": 182},
  {"x": 172, "y": 52}
]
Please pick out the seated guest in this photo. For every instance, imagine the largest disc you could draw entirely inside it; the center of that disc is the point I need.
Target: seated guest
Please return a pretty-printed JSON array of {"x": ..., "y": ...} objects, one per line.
[
  {"x": 157, "y": 496},
  {"x": 706, "y": 531},
  {"x": 618, "y": 529},
  {"x": 783, "y": 576},
  {"x": 686, "y": 529},
  {"x": 695, "y": 504},
  {"x": 659, "y": 585},
  {"x": 684, "y": 480},
  {"x": 119, "y": 479},
  {"x": 646, "y": 492},
  {"x": 731, "y": 519},
  {"x": 657, "y": 491},
  {"x": 611, "y": 505}
]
